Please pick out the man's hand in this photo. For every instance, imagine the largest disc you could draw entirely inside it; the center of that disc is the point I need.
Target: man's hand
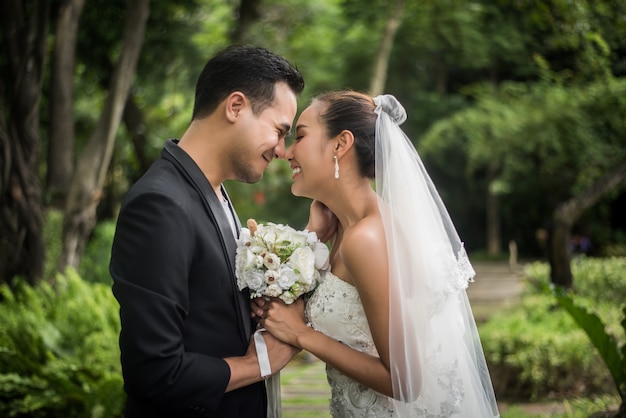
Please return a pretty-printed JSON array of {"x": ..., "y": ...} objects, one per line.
[
  {"x": 322, "y": 221},
  {"x": 278, "y": 352},
  {"x": 245, "y": 370}
]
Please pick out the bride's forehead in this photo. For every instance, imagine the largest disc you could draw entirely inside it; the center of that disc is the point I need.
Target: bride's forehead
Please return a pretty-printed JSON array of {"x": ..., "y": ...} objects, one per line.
[{"x": 310, "y": 115}]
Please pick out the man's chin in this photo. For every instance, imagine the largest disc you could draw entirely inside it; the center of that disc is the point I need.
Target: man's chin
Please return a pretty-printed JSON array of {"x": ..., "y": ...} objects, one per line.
[{"x": 251, "y": 179}]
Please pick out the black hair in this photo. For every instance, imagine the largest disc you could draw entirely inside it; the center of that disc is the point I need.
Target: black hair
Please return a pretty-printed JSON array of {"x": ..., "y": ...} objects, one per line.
[
  {"x": 352, "y": 111},
  {"x": 252, "y": 70}
]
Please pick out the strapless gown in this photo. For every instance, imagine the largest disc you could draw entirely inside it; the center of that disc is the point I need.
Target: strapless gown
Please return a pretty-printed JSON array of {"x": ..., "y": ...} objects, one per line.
[{"x": 335, "y": 309}]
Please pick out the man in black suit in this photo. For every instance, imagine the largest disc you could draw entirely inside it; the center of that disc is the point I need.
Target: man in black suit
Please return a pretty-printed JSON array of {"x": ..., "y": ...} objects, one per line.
[{"x": 186, "y": 346}]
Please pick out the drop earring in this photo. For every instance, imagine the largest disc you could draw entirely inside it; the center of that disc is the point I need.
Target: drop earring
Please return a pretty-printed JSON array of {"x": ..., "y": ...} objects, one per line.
[{"x": 336, "y": 167}]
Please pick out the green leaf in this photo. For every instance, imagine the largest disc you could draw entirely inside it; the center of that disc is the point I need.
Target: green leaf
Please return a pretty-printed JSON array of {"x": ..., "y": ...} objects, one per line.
[{"x": 595, "y": 329}]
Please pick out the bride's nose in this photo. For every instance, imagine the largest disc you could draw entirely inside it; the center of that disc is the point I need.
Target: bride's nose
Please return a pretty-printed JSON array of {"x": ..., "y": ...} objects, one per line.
[{"x": 288, "y": 154}]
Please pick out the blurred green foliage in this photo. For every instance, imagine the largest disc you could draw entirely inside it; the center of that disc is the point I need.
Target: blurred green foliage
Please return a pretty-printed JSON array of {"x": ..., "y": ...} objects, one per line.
[
  {"x": 535, "y": 350},
  {"x": 59, "y": 355}
]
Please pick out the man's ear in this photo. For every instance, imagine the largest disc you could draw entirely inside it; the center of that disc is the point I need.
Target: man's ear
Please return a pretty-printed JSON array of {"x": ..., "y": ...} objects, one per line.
[
  {"x": 233, "y": 104},
  {"x": 343, "y": 143}
]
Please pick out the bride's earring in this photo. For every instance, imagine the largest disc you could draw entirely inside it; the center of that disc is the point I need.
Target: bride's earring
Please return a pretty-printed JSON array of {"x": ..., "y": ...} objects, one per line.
[{"x": 336, "y": 167}]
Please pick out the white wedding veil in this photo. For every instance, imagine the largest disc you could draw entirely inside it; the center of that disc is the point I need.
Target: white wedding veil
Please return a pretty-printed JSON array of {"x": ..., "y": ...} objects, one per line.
[{"x": 438, "y": 368}]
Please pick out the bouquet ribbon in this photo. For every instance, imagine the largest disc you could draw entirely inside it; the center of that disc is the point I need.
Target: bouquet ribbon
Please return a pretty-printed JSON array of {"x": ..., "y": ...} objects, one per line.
[{"x": 272, "y": 383}]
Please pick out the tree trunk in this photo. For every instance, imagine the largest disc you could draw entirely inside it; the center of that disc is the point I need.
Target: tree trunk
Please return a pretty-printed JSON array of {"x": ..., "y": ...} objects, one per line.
[
  {"x": 566, "y": 214},
  {"x": 86, "y": 189},
  {"x": 379, "y": 78},
  {"x": 248, "y": 13},
  {"x": 61, "y": 143},
  {"x": 493, "y": 223},
  {"x": 25, "y": 30}
]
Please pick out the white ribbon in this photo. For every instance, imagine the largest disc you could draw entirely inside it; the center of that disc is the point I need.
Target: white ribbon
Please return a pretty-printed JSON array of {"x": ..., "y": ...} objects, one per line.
[{"x": 272, "y": 384}]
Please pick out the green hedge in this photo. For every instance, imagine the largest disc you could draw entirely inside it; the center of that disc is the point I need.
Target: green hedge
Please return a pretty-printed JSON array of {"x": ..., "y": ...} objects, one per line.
[
  {"x": 536, "y": 351},
  {"x": 59, "y": 353}
]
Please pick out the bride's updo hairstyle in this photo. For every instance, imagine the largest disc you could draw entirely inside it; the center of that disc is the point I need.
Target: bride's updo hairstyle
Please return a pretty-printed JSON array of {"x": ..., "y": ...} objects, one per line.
[{"x": 352, "y": 111}]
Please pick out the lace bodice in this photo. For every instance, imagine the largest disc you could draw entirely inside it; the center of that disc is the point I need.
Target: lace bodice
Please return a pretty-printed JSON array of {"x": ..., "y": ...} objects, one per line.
[{"x": 335, "y": 309}]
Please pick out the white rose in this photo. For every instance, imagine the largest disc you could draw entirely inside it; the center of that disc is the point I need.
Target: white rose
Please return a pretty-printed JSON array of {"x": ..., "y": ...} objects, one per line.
[
  {"x": 254, "y": 279},
  {"x": 285, "y": 233},
  {"x": 311, "y": 237},
  {"x": 266, "y": 233},
  {"x": 302, "y": 260},
  {"x": 287, "y": 277},
  {"x": 322, "y": 254}
]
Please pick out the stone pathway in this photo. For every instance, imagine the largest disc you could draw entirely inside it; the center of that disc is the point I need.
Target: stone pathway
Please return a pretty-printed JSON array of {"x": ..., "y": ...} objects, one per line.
[
  {"x": 304, "y": 389},
  {"x": 495, "y": 286}
]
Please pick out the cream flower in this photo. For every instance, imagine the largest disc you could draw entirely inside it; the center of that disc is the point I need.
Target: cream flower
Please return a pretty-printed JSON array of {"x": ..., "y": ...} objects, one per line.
[
  {"x": 271, "y": 261},
  {"x": 271, "y": 276},
  {"x": 273, "y": 290}
]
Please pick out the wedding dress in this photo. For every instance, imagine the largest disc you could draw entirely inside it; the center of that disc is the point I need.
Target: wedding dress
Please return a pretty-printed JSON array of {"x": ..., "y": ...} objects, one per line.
[{"x": 335, "y": 309}]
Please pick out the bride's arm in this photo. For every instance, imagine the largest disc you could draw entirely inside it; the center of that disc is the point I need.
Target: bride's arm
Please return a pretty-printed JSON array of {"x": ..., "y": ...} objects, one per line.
[
  {"x": 365, "y": 257},
  {"x": 286, "y": 322}
]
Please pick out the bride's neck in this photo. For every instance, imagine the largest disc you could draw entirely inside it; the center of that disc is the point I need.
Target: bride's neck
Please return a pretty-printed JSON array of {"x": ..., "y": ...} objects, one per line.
[{"x": 354, "y": 205}]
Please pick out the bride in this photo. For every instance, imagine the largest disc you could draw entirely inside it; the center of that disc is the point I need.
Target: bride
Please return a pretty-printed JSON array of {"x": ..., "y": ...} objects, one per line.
[{"x": 391, "y": 320}]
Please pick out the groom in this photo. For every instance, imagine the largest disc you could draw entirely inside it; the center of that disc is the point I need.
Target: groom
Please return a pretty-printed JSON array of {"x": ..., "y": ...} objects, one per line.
[{"x": 186, "y": 346}]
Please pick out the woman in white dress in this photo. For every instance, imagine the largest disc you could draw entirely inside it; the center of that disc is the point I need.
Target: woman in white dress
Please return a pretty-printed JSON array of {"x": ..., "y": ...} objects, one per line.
[{"x": 391, "y": 319}]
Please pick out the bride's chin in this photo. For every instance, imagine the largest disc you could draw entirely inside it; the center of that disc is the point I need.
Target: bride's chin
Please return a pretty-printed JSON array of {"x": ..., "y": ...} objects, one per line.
[
  {"x": 294, "y": 191},
  {"x": 297, "y": 191}
]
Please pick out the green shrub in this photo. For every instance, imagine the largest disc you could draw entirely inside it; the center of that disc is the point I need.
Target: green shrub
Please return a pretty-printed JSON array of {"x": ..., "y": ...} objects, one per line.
[
  {"x": 59, "y": 354},
  {"x": 535, "y": 350},
  {"x": 599, "y": 279},
  {"x": 94, "y": 264}
]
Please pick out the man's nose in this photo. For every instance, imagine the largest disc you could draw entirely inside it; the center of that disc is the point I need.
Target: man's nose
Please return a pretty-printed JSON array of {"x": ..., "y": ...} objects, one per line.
[{"x": 279, "y": 149}]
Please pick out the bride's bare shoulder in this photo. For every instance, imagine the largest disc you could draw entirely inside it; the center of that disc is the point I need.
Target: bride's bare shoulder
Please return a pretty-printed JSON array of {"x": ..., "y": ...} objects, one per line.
[{"x": 366, "y": 235}]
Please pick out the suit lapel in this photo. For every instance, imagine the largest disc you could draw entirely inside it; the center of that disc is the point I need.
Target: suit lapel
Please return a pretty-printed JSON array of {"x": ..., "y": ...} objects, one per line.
[{"x": 216, "y": 211}]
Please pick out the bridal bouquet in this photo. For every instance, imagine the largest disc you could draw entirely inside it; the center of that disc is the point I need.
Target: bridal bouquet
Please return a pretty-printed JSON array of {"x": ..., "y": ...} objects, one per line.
[{"x": 279, "y": 261}]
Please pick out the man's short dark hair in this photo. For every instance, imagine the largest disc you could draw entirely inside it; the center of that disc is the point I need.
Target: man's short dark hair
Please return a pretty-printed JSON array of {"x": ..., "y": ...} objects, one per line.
[{"x": 252, "y": 70}]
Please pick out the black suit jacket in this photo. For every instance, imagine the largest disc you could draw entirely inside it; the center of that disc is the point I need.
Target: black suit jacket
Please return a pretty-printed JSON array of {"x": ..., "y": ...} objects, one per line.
[{"x": 172, "y": 264}]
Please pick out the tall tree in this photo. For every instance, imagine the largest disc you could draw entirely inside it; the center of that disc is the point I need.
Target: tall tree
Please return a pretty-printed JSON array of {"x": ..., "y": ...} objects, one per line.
[
  {"x": 379, "y": 77},
  {"x": 86, "y": 188},
  {"x": 567, "y": 213},
  {"x": 24, "y": 35},
  {"x": 61, "y": 139},
  {"x": 565, "y": 141}
]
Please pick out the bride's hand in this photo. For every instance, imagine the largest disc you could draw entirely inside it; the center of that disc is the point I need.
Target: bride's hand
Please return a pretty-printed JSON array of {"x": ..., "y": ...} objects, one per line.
[
  {"x": 285, "y": 322},
  {"x": 322, "y": 221}
]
